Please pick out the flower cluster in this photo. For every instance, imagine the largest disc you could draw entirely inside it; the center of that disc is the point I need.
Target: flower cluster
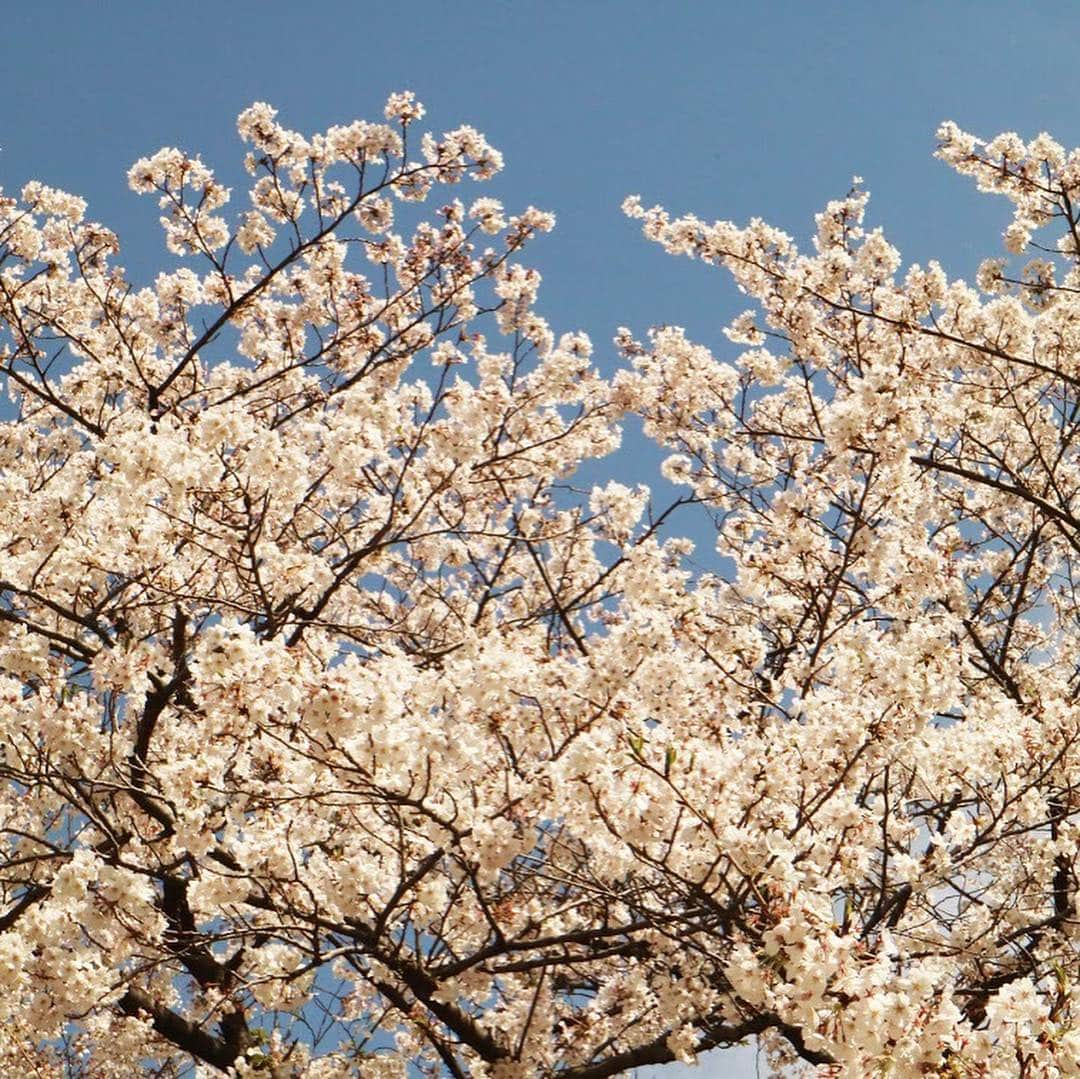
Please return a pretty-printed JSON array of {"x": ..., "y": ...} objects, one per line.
[{"x": 327, "y": 688}]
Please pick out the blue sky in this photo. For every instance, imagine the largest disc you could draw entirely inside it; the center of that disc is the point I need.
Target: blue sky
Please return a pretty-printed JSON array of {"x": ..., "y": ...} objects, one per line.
[{"x": 726, "y": 109}]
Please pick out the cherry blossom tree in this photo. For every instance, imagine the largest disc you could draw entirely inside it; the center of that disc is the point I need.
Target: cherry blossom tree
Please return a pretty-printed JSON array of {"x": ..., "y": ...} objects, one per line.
[{"x": 343, "y": 734}]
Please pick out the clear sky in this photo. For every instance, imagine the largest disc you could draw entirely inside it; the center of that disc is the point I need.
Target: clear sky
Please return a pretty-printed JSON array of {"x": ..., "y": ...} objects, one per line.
[{"x": 729, "y": 109}]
